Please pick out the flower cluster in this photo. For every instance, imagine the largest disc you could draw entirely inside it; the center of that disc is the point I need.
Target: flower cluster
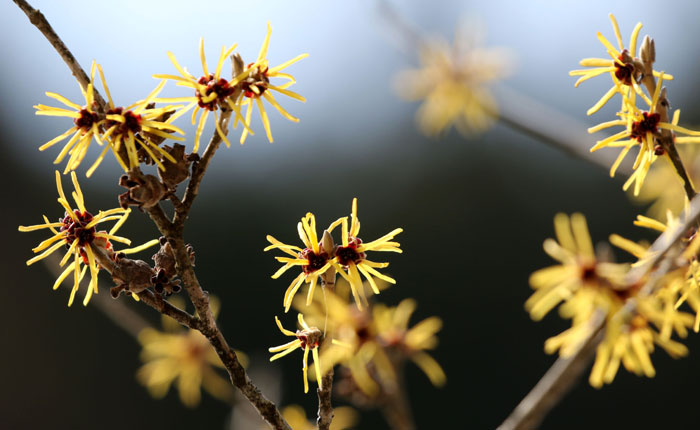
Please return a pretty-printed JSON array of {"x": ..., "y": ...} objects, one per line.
[
  {"x": 77, "y": 232},
  {"x": 308, "y": 339},
  {"x": 453, "y": 84},
  {"x": 371, "y": 343},
  {"x": 349, "y": 258},
  {"x": 117, "y": 128},
  {"x": 344, "y": 418},
  {"x": 134, "y": 133},
  {"x": 321, "y": 259},
  {"x": 588, "y": 288},
  {"x": 184, "y": 357},
  {"x": 648, "y": 129},
  {"x": 249, "y": 84}
]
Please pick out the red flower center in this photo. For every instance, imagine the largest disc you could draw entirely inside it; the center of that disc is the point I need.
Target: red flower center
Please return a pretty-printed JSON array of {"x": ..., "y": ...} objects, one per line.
[
  {"x": 348, "y": 254},
  {"x": 316, "y": 261},
  {"x": 306, "y": 340},
  {"x": 648, "y": 123},
  {"x": 257, "y": 78},
  {"x": 624, "y": 71},
  {"x": 76, "y": 228},
  {"x": 588, "y": 273},
  {"x": 132, "y": 122},
  {"x": 86, "y": 119},
  {"x": 221, "y": 87}
]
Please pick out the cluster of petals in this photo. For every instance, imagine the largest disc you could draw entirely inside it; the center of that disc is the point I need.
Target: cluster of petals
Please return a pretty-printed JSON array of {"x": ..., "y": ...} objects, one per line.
[
  {"x": 348, "y": 258},
  {"x": 77, "y": 232}
]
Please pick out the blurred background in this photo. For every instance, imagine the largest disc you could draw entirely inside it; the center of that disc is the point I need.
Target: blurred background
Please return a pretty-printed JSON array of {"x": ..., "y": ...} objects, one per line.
[{"x": 475, "y": 210}]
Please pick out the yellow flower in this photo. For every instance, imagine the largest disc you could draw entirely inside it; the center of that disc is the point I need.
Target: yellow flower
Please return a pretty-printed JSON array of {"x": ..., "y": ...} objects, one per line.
[
  {"x": 622, "y": 67},
  {"x": 313, "y": 259},
  {"x": 392, "y": 332},
  {"x": 580, "y": 280},
  {"x": 86, "y": 120},
  {"x": 679, "y": 286},
  {"x": 77, "y": 231},
  {"x": 344, "y": 418},
  {"x": 369, "y": 342},
  {"x": 630, "y": 344},
  {"x": 641, "y": 127},
  {"x": 453, "y": 84},
  {"x": 664, "y": 189},
  {"x": 211, "y": 92},
  {"x": 132, "y": 125},
  {"x": 257, "y": 84},
  {"x": 351, "y": 255},
  {"x": 316, "y": 258},
  {"x": 308, "y": 339},
  {"x": 184, "y": 357}
]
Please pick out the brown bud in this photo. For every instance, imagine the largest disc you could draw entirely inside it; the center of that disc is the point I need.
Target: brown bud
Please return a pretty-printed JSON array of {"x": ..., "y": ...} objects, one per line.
[
  {"x": 132, "y": 276},
  {"x": 648, "y": 51},
  {"x": 162, "y": 284},
  {"x": 144, "y": 191},
  {"x": 238, "y": 64},
  {"x": 177, "y": 172},
  {"x": 327, "y": 242},
  {"x": 165, "y": 257}
]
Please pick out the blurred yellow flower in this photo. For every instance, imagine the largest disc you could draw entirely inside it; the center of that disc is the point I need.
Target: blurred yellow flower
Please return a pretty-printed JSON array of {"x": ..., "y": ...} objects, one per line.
[
  {"x": 578, "y": 271},
  {"x": 680, "y": 285},
  {"x": 371, "y": 342},
  {"x": 393, "y": 332},
  {"x": 664, "y": 188},
  {"x": 631, "y": 344},
  {"x": 184, "y": 357},
  {"x": 308, "y": 339},
  {"x": 344, "y": 418},
  {"x": 453, "y": 84},
  {"x": 78, "y": 233}
]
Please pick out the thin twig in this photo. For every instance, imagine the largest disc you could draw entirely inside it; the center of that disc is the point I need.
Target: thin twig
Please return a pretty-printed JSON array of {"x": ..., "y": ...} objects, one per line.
[
  {"x": 665, "y": 137},
  {"x": 199, "y": 168},
  {"x": 556, "y": 382},
  {"x": 39, "y": 21},
  {"x": 325, "y": 391},
  {"x": 517, "y": 111},
  {"x": 146, "y": 296},
  {"x": 561, "y": 377},
  {"x": 395, "y": 405},
  {"x": 174, "y": 233}
]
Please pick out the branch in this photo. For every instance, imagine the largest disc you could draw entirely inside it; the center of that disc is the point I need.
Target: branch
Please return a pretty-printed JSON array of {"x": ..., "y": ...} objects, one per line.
[
  {"x": 199, "y": 168},
  {"x": 173, "y": 231},
  {"x": 556, "y": 383},
  {"x": 665, "y": 137},
  {"x": 561, "y": 377},
  {"x": 517, "y": 111},
  {"x": 325, "y": 391},
  {"x": 146, "y": 296},
  {"x": 39, "y": 21}
]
